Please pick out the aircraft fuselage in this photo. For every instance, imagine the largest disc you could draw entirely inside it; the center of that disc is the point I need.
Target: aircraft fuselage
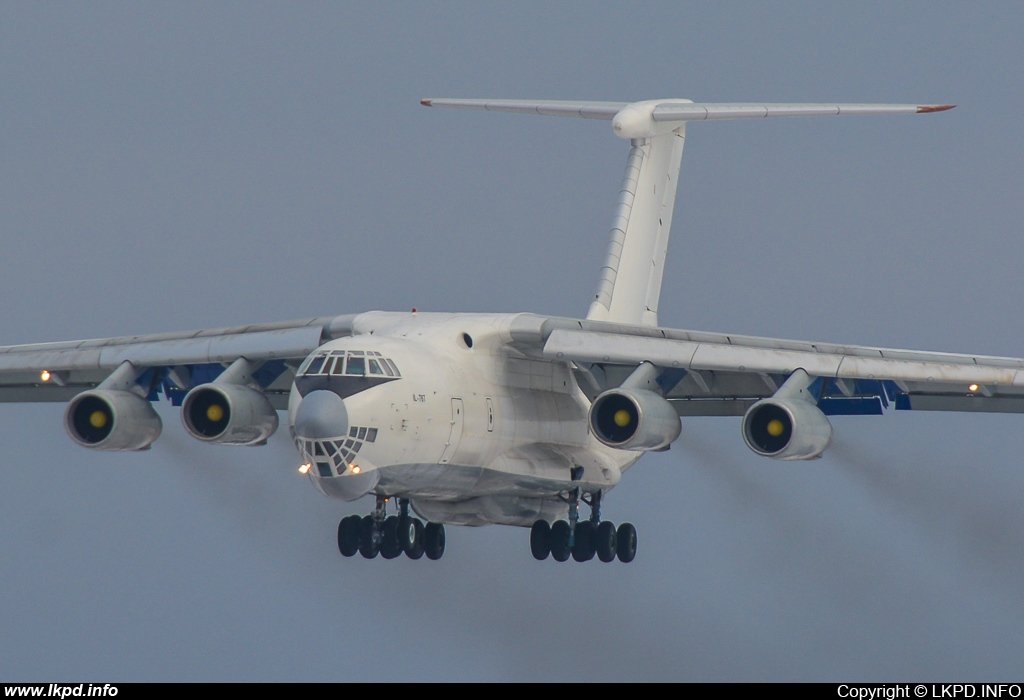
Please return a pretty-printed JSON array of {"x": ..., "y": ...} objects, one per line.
[{"x": 469, "y": 428}]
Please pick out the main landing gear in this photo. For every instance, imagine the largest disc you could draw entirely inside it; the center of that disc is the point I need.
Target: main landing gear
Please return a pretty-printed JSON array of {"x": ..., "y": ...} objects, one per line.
[
  {"x": 390, "y": 535},
  {"x": 583, "y": 539}
]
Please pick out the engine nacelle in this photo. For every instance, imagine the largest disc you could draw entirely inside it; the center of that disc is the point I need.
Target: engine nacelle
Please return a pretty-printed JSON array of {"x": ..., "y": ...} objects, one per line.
[
  {"x": 110, "y": 420},
  {"x": 634, "y": 419},
  {"x": 786, "y": 429},
  {"x": 228, "y": 414}
]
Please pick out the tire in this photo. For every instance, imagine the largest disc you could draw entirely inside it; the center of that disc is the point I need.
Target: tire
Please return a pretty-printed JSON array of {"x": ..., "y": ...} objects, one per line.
[
  {"x": 411, "y": 537},
  {"x": 367, "y": 546},
  {"x": 626, "y": 545},
  {"x": 348, "y": 535},
  {"x": 433, "y": 540},
  {"x": 540, "y": 540},
  {"x": 560, "y": 540},
  {"x": 583, "y": 543},
  {"x": 605, "y": 540},
  {"x": 390, "y": 546}
]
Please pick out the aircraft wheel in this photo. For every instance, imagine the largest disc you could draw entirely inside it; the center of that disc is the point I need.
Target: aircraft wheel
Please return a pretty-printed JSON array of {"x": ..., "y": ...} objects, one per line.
[
  {"x": 368, "y": 547},
  {"x": 410, "y": 535},
  {"x": 389, "y": 546},
  {"x": 626, "y": 545},
  {"x": 540, "y": 540},
  {"x": 348, "y": 535},
  {"x": 605, "y": 541},
  {"x": 433, "y": 540},
  {"x": 560, "y": 540},
  {"x": 583, "y": 543}
]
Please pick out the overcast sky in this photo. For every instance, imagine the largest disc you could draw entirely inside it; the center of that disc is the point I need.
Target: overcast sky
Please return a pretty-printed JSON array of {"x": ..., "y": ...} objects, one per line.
[{"x": 177, "y": 166}]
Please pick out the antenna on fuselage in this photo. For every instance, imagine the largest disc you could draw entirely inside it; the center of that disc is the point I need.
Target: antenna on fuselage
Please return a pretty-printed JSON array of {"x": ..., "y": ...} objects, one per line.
[{"x": 629, "y": 287}]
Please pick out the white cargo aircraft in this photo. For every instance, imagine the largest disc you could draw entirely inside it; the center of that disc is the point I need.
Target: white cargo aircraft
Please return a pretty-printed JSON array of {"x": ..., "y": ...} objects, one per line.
[{"x": 514, "y": 419}]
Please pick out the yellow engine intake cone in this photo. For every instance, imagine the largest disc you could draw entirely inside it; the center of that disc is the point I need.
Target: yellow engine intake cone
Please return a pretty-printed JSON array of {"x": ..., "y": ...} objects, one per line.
[
  {"x": 215, "y": 413},
  {"x": 775, "y": 427},
  {"x": 621, "y": 418},
  {"x": 98, "y": 419}
]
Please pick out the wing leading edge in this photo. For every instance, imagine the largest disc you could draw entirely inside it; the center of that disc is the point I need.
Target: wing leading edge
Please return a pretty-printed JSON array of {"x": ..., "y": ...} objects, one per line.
[
  {"x": 717, "y": 374},
  {"x": 172, "y": 363}
]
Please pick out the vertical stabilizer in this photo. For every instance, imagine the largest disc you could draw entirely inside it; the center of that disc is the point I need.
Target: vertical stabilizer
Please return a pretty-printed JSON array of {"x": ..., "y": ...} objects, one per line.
[{"x": 630, "y": 282}]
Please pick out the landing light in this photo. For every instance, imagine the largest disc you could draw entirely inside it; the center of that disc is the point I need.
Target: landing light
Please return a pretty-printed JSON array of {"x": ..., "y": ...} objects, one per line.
[
  {"x": 356, "y": 469},
  {"x": 304, "y": 469},
  {"x": 45, "y": 376},
  {"x": 973, "y": 388}
]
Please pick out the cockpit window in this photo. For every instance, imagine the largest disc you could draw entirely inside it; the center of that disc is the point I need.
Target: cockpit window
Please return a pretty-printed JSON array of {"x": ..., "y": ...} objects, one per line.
[
  {"x": 314, "y": 367},
  {"x": 352, "y": 363}
]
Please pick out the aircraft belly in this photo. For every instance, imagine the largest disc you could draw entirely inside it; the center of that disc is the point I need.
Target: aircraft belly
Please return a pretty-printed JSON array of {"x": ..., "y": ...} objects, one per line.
[
  {"x": 534, "y": 470},
  {"x": 491, "y": 510},
  {"x": 429, "y": 480}
]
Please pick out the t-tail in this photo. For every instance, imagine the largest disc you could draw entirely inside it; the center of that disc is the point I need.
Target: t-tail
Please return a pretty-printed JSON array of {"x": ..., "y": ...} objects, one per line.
[{"x": 630, "y": 282}]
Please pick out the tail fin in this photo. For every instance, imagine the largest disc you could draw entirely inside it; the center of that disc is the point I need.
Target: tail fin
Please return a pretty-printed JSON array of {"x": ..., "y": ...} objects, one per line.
[
  {"x": 630, "y": 281},
  {"x": 630, "y": 284}
]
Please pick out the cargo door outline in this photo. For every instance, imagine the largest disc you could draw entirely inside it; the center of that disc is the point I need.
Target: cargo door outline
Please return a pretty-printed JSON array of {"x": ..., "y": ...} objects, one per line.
[{"x": 455, "y": 435}]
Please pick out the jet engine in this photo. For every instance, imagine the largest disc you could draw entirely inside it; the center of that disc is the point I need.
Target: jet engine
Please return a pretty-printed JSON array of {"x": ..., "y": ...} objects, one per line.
[
  {"x": 112, "y": 420},
  {"x": 634, "y": 419},
  {"x": 786, "y": 429},
  {"x": 228, "y": 414}
]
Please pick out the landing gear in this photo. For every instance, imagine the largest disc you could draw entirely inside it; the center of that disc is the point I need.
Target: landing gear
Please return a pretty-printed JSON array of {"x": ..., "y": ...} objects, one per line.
[
  {"x": 433, "y": 539},
  {"x": 369, "y": 544},
  {"x": 561, "y": 540},
  {"x": 390, "y": 536},
  {"x": 583, "y": 539},
  {"x": 583, "y": 544},
  {"x": 606, "y": 541},
  {"x": 389, "y": 545},
  {"x": 626, "y": 546},
  {"x": 410, "y": 537},
  {"x": 348, "y": 535},
  {"x": 540, "y": 540}
]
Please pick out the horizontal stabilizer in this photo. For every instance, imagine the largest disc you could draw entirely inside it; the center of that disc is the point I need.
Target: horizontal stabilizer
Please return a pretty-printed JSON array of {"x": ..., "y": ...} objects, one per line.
[
  {"x": 652, "y": 117},
  {"x": 681, "y": 111},
  {"x": 555, "y": 108}
]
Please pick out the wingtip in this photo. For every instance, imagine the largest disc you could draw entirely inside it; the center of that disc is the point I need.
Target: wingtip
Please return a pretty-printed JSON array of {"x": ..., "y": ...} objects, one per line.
[
  {"x": 926, "y": 109},
  {"x": 425, "y": 102}
]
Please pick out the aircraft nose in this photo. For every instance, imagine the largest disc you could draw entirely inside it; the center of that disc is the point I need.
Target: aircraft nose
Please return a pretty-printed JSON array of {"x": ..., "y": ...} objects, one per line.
[{"x": 321, "y": 415}]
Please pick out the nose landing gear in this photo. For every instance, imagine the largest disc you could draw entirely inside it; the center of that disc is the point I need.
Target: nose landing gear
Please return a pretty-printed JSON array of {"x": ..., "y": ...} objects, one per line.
[
  {"x": 390, "y": 536},
  {"x": 583, "y": 539}
]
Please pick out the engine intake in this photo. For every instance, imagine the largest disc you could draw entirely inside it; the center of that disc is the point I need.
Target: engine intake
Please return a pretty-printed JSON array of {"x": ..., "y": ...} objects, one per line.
[
  {"x": 228, "y": 414},
  {"x": 634, "y": 419},
  {"x": 112, "y": 420},
  {"x": 786, "y": 429}
]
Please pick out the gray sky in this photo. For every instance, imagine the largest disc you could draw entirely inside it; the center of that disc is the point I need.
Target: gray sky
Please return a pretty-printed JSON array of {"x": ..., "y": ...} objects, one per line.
[{"x": 167, "y": 167}]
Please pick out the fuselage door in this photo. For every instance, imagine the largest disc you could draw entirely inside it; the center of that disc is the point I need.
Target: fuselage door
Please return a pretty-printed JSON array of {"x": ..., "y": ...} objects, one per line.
[{"x": 458, "y": 420}]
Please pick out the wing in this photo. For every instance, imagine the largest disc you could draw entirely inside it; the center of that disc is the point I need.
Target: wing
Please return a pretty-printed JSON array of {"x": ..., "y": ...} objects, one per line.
[
  {"x": 713, "y": 374},
  {"x": 168, "y": 363}
]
